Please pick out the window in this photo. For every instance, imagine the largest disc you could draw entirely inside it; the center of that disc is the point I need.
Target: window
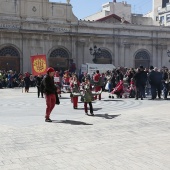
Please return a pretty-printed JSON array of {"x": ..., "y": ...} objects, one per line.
[
  {"x": 11, "y": 51},
  {"x": 60, "y": 52}
]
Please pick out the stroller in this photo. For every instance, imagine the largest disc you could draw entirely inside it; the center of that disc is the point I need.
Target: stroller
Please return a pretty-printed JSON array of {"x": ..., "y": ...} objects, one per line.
[{"x": 118, "y": 90}]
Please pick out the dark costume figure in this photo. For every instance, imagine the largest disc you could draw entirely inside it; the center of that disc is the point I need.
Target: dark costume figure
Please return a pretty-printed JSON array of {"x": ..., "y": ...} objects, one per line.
[
  {"x": 50, "y": 90},
  {"x": 27, "y": 82},
  {"x": 74, "y": 83},
  {"x": 166, "y": 80},
  {"x": 140, "y": 82},
  {"x": 158, "y": 82},
  {"x": 38, "y": 84},
  {"x": 152, "y": 81},
  {"x": 88, "y": 97}
]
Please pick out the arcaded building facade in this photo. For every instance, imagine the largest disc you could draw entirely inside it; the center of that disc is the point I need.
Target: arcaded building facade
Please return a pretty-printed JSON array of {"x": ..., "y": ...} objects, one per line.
[{"x": 41, "y": 27}]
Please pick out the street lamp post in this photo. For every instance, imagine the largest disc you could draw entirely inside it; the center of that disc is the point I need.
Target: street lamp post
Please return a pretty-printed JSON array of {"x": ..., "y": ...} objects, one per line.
[
  {"x": 168, "y": 53},
  {"x": 7, "y": 66},
  {"x": 95, "y": 52}
]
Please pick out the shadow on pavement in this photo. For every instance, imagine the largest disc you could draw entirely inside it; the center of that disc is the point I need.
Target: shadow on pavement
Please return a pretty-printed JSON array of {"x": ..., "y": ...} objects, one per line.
[
  {"x": 71, "y": 122},
  {"x": 64, "y": 97},
  {"x": 94, "y": 109},
  {"x": 106, "y": 116},
  {"x": 113, "y": 100}
]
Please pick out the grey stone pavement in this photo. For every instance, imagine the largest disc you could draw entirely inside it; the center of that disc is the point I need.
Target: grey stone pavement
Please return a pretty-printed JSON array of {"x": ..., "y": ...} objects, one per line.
[{"x": 124, "y": 134}]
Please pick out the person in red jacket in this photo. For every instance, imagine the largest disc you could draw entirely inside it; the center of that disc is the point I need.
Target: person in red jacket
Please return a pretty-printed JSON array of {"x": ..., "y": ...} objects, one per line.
[
  {"x": 50, "y": 91},
  {"x": 96, "y": 79}
]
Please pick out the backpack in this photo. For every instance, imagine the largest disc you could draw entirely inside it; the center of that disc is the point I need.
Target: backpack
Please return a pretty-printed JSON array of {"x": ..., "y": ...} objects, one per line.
[{"x": 42, "y": 85}]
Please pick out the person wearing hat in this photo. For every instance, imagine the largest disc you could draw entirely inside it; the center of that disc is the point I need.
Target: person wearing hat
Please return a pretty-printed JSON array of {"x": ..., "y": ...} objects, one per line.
[
  {"x": 50, "y": 91},
  {"x": 152, "y": 81}
]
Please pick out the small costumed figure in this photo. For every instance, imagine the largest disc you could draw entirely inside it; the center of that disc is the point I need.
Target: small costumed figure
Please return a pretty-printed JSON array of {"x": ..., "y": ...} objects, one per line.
[
  {"x": 87, "y": 96},
  {"x": 75, "y": 89},
  {"x": 66, "y": 78},
  {"x": 57, "y": 82}
]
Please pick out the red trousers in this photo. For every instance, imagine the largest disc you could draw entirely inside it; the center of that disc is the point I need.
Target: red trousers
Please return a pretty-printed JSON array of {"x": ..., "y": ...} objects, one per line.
[
  {"x": 97, "y": 88},
  {"x": 50, "y": 102},
  {"x": 75, "y": 101}
]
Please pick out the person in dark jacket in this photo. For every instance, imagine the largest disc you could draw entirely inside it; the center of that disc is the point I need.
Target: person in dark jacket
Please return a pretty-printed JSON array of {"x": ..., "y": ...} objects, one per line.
[
  {"x": 152, "y": 81},
  {"x": 27, "y": 82},
  {"x": 158, "y": 82},
  {"x": 50, "y": 90},
  {"x": 140, "y": 81},
  {"x": 166, "y": 81},
  {"x": 38, "y": 84}
]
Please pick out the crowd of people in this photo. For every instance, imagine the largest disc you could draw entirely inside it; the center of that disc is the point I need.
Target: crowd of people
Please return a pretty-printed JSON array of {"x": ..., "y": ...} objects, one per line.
[{"x": 134, "y": 83}]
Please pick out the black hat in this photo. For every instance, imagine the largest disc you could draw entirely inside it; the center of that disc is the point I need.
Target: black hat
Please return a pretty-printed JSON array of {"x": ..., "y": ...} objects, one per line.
[
  {"x": 141, "y": 67},
  {"x": 151, "y": 67}
]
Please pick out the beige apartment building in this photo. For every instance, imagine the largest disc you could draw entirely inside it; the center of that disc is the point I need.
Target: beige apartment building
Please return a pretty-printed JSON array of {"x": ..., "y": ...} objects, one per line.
[{"x": 41, "y": 27}]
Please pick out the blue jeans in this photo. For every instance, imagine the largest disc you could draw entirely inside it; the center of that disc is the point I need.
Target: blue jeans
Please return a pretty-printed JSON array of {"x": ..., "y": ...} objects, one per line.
[{"x": 165, "y": 90}]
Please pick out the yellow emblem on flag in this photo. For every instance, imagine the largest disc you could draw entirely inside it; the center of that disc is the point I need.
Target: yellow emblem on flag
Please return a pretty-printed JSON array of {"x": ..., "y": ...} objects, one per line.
[{"x": 39, "y": 65}]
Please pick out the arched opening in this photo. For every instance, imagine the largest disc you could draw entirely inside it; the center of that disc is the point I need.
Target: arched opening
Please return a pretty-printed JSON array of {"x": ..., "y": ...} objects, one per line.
[
  {"x": 142, "y": 57},
  {"x": 59, "y": 59},
  {"x": 104, "y": 57},
  {"x": 9, "y": 59}
]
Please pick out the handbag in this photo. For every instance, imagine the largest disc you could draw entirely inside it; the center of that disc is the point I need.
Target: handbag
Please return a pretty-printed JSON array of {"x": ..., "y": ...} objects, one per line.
[
  {"x": 71, "y": 94},
  {"x": 82, "y": 99},
  {"x": 107, "y": 86},
  {"x": 57, "y": 98}
]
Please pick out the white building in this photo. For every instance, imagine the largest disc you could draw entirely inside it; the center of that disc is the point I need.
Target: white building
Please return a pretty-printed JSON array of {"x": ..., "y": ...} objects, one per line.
[
  {"x": 164, "y": 15},
  {"x": 29, "y": 27},
  {"x": 121, "y": 9}
]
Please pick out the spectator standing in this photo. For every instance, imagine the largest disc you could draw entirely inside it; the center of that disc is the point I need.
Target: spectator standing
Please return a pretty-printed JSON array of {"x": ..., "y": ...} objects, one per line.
[
  {"x": 152, "y": 82},
  {"x": 166, "y": 81},
  {"x": 50, "y": 90},
  {"x": 38, "y": 84}
]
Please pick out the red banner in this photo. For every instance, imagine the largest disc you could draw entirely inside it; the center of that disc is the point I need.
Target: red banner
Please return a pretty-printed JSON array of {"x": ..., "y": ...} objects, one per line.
[{"x": 39, "y": 64}]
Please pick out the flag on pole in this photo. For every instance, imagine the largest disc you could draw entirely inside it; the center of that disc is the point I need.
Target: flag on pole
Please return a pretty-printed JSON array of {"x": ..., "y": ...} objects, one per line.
[{"x": 39, "y": 64}]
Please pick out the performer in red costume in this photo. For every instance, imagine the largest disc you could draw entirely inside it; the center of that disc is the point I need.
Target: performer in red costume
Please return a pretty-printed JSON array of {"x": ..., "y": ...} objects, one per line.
[
  {"x": 96, "y": 79},
  {"x": 75, "y": 85},
  {"x": 66, "y": 77}
]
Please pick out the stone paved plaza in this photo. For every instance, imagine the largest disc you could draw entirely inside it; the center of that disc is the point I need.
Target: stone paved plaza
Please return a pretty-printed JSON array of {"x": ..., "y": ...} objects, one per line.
[{"x": 124, "y": 134}]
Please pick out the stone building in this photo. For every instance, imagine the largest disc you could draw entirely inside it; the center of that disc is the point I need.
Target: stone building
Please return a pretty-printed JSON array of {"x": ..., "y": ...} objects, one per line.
[{"x": 41, "y": 27}]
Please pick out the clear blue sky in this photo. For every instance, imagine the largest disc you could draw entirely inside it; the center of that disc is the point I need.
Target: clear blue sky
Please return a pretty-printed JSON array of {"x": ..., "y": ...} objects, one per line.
[{"x": 83, "y": 8}]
